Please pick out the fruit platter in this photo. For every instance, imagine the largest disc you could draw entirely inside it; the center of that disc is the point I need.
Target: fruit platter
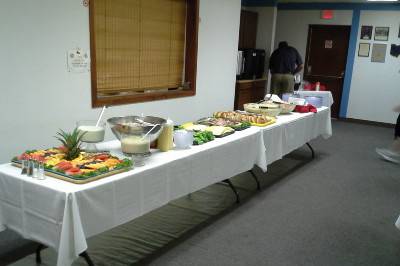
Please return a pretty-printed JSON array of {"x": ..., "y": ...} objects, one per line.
[{"x": 69, "y": 163}]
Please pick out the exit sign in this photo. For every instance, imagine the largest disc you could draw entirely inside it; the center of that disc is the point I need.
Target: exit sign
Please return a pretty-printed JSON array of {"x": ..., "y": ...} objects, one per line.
[{"x": 327, "y": 14}]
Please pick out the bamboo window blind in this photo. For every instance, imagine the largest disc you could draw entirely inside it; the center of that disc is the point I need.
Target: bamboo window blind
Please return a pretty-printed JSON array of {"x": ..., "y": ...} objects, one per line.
[{"x": 140, "y": 45}]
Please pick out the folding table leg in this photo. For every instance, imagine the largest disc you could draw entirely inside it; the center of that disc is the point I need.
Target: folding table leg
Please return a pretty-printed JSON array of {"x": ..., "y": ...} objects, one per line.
[
  {"x": 233, "y": 189},
  {"x": 84, "y": 255},
  {"x": 38, "y": 250},
  {"x": 256, "y": 179},
  {"x": 87, "y": 258},
  {"x": 312, "y": 150}
]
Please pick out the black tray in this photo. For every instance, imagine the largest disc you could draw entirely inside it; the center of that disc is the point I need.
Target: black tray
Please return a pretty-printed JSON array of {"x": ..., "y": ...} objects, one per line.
[{"x": 224, "y": 135}]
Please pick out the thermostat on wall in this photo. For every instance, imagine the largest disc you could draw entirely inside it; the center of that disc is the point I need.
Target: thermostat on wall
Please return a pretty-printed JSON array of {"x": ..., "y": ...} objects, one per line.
[{"x": 78, "y": 61}]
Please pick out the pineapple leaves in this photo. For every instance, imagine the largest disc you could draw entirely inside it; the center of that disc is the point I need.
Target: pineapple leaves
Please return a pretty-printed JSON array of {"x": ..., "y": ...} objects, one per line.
[{"x": 71, "y": 142}]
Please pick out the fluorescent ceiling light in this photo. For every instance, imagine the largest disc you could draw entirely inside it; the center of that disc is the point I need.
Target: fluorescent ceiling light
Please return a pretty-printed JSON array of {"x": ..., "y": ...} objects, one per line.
[{"x": 382, "y": 0}]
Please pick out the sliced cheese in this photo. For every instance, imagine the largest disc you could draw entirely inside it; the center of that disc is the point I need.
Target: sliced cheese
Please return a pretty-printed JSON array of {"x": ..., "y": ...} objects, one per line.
[
  {"x": 194, "y": 127},
  {"x": 219, "y": 130}
]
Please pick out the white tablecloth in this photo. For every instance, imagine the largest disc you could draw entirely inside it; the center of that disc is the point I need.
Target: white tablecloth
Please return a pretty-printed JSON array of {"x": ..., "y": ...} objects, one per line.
[
  {"x": 398, "y": 223},
  {"x": 292, "y": 131},
  {"x": 327, "y": 99},
  {"x": 63, "y": 215}
]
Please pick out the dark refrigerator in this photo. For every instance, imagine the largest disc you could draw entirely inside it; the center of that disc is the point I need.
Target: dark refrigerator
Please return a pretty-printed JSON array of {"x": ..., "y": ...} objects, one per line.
[{"x": 251, "y": 64}]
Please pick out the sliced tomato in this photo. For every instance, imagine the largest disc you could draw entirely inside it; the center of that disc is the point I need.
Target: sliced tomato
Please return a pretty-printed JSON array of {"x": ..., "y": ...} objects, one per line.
[
  {"x": 36, "y": 157},
  {"x": 73, "y": 171},
  {"x": 102, "y": 157},
  {"x": 64, "y": 165},
  {"x": 24, "y": 156}
]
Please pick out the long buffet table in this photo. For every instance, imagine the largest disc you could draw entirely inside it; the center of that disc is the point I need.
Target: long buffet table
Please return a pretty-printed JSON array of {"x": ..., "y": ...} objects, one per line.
[{"x": 63, "y": 215}]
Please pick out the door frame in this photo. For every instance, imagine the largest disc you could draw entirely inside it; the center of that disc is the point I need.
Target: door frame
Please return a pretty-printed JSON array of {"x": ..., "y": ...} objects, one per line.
[
  {"x": 308, "y": 47},
  {"x": 307, "y": 58}
]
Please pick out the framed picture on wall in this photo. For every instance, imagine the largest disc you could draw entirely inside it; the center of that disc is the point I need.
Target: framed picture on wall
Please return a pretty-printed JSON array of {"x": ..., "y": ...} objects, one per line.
[
  {"x": 378, "y": 53},
  {"x": 363, "y": 49},
  {"x": 399, "y": 32},
  {"x": 366, "y": 32},
  {"x": 381, "y": 34}
]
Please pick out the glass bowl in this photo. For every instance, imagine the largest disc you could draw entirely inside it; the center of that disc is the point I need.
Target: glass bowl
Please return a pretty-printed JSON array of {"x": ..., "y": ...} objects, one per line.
[
  {"x": 92, "y": 133},
  {"x": 137, "y": 126}
]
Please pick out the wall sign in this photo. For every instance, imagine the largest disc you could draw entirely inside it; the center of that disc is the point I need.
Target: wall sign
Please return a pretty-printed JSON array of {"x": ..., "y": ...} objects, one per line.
[
  {"x": 327, "y": 14},
  {"x": 78, "y": 61},
  {"x": 328, "y": 44}
]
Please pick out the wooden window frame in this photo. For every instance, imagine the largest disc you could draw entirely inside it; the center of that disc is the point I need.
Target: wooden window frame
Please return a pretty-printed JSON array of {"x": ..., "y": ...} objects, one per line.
[{"x": 192, "y": 28}]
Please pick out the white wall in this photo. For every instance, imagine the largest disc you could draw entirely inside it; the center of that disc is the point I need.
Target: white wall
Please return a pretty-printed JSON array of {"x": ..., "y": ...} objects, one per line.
[
  {"x": 375, "y": 87},
  {"x": 373, "y": 84},
  {"x": 265, "y": 27},
  {"x": 265, "y": 33},
  {"x": 39, "y": 95},
  {"x": 292, "y": 25}
]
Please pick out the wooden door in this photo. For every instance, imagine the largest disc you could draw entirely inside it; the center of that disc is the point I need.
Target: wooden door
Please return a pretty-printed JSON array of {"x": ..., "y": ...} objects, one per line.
[
  {"x": 248, "y": 29},
  {"x": 326, "y": 59}
]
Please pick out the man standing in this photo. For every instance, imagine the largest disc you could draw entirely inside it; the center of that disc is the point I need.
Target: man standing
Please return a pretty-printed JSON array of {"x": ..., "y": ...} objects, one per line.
[{"x": 285, "y": 62}]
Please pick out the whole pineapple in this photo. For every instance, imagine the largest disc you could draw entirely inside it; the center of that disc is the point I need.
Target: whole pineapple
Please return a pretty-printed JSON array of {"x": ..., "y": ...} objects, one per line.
[{"x": 71, "y": 143}]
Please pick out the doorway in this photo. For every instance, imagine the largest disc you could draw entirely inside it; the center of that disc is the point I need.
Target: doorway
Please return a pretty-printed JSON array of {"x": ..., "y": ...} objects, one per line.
[{"x": 326, "y": 57}]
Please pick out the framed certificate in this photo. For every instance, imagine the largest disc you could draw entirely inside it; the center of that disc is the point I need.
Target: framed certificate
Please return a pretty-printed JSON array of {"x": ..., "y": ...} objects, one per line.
[
  {"x": 363, "y": 49},
  {"x": 381, "y": 34},
  {"x": 378, "y": 53},
  {"x": 366, "y": 32}
]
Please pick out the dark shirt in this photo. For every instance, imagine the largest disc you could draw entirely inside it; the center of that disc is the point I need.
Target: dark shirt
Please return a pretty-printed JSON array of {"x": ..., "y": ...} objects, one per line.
[{"x": 285, "y": 60}]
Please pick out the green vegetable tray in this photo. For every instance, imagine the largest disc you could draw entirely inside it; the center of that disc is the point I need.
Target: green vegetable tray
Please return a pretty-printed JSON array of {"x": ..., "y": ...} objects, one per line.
[
  {"x": 243, "y": 126},
  {"x": 202, "y": 137}
]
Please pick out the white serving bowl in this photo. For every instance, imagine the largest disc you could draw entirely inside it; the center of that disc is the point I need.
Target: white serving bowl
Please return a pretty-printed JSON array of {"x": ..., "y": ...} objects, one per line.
[
  {"x": 287, "y": 108},
  {"x": 270, "y": 109},
  {"x": 252, "y": 108}
]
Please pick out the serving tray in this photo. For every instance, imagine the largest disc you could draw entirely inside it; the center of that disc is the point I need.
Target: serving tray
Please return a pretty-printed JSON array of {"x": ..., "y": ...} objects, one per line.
[
  {"x": 241, "y": 128},
  {"x": 73, "y": 179},
  {"x": 272, "y": 121},
  {"x": 225, "y": 134},
  {"x": 203, "y": 121}
]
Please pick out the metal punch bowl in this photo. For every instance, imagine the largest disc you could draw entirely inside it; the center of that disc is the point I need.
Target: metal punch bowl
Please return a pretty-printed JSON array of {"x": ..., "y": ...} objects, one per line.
[{"x": 125, "y": 125}]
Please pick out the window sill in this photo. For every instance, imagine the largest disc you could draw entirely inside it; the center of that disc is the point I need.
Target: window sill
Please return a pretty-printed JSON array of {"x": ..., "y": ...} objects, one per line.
[{"x": 128, "y": 99}]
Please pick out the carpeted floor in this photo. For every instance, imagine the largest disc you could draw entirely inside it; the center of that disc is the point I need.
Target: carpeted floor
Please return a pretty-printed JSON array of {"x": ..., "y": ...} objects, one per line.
[{"x": 338, "y": 209}]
